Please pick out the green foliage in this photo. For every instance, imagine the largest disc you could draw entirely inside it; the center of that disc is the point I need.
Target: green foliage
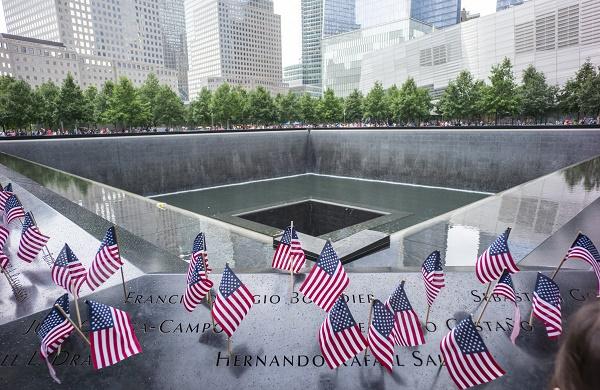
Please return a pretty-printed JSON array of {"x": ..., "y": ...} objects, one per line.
[
  {"x": 200, "y": 113},
  {"x": 461, "y": 99},
  {"x": 353, "y": 106},
  {"x": 287, "y": 107},
  {"x": 70, "y": 109},
  {"x": 90, "y": 96},
  {"x": 47, "y": 96},
  {"x": 169, "y": 109},
  {"x": 223, "y": 105},
  {"x": 392, "y": 103},
  {"x": 534, "y": 94},
  {"x": 149, "y": 95},
  {"x": 125, "y": 108},
  {"x": 414, "y": 102},
  {"x": 501, "y": 97},
  {"x": 307, "y": 106},
  {"x": 330, "y": 107},
  {"x": 375, "y": 107}
]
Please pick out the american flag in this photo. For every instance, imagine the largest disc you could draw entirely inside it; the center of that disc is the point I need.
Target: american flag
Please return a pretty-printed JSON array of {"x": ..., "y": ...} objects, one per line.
[
  {"x": 506, "y": 288},
  {"x": 407, "y": 328},
  {"x": 112, "y": 336},
  {"x": 8, "y": 187},
  {"x": 199, "y": 250},
  {"x": 326, "y": 280},
  {"x": 495, "y": 259},
  {"x": 4, "y": 232},
  {"x": 584, "y": 249},
  {"x": 381, "y": 338},
  {"x": 32, "y": 240},
  {"x": 433, "y": 276},
  {"x": 465, "y": 355},
  {"x": 289, "y": 253},
  {"x": 13, "y": 210},
  {"x": 546, "y": 305},
  {"x": 233, "y": 302},
  {"x": 107, "y": 260},
  {"x": 67, "y": 271},
  {"x": 197, "y": 287},
  {"x": 55, "y": 329},
  {"x": 4, "y": 195},
  {"x": 4, "y": 261},
  {"x": 339, "y": 337}
]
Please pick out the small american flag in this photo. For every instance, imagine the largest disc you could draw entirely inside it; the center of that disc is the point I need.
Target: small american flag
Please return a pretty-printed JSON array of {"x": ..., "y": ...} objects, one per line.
[
  {"x": 4, "y": 261},
  {"x": 198, "y": 285},
  {"x": 407, "y": 328},
  {"x": 381, "y": 338},
  {"x": 465, "y": 355},
  {"x": 199, "y": 250},
  {"x": 13, "y": 210},
  {"x": 495, "y": 259},
  {"x": 67, "y": 271},
  {"x": 433, "y": 276},
  {"x": 289, "y": 253},
  {"x": 506, "y": 288},
  {"x": 340, "y": 337},
  {"x": 4, "y": 232},
  {"x": 55, "y": 329},
  {"x": 546, "y": 305},
  {"x": 584, "y": 249},
  {"x": 233, "y": 302},
  {"x": 107, "y": 260},
  {"x": 32, "y": 240},
  {"x": 326, "y": 280},
  {"x": 112, "y": 337},
  {"x": 4, "y": 195},
  {"x": 8, "y": 187}
]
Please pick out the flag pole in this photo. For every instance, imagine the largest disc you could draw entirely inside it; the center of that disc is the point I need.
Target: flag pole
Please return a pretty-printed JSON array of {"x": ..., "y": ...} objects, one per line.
[
  {"x": 564, "y": 259},
  {"x": 12, "y": 286},
  {"x": 369, "y": 326},
  {"x": 427, "y": 315},
  {"x": 291, "y": 264},
  {"x": 122, "y": 273},
  {"x": 208, "y": 297},
  {"x": 60, "y": 309},
  {"x": 76, "y": 304},
  {"x": 487, "y": 302},
  {"x": 487, "y": 291},
  {"x": 229, "y": 346},
  {"x": 47, "y": 253}
]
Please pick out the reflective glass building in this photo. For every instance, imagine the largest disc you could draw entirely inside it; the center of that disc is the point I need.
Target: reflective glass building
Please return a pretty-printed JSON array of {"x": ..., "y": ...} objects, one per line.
[
  {"x": 439, "y": 13},
  {"x": 504, "y": 4}
]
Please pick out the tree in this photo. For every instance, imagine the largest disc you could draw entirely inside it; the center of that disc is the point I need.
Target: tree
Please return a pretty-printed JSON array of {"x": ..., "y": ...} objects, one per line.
[
  {"x": 169, "y": 110},
  {"x": 103, "y": 101},
  {"x": 415, "y": 103},
  {"x": 330, "y": 107},
  {"x": 375, "y": 109},
  {"x": 125, "y": 106},
  {"x": 534, "y": 94},
  {"x": 501, "y": 98},
  {"x": 70, "y": 109},
  {"x": 149, "y": 94},
  {"x": 392, "y": 103},
  {"x": 47, "y": 96},
  {"x": 90, "y": 96},
  {"x": 588, "y": 80},
  {"x": 307, "y": 109},
  {"x": 461, "y": 99},
  {"x": 240, "y": 105},
  {"x": 353, "y": 106},
  {"x": 261, "y": 107},
  {"x": 287, "y": 107},
  {"x": 200, "y": 113},
  {"x": 221, "y": 105}
]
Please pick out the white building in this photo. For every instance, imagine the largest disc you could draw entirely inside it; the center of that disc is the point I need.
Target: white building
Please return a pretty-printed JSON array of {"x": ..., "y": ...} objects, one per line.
[
  {"x": 557, "y": 37},
  {"x": 112, "y": 38},
  {"x": 233, "y": 41}
]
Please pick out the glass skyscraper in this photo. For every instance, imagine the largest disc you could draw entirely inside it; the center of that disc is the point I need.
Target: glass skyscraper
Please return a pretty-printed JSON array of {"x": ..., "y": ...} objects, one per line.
[
  {"x": 504, "y": 4},
  {"x": 339, "y": 16},
  {"x": 439, "y": 13}
]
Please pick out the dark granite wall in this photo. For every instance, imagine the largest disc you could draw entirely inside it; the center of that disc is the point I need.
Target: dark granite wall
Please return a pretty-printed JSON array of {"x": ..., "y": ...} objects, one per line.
[{"x": 484, "y": 160}]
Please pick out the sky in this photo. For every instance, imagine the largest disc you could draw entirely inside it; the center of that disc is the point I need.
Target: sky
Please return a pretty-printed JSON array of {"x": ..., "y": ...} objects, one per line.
[{"x": 291, "y": 28}]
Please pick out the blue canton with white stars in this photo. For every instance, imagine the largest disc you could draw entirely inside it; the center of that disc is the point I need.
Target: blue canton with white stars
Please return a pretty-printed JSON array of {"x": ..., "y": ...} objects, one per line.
[
  {"x": 12, "y": 203},
  {"x": 399, "y": 301},
  {"x": 65, "y": 257},
  {"x": 54, "y": 318},
  {"x": 468, "y": 339},
  {"x": 340, "y": 316},
  {"x": 286, "y": 239},
  {"x": 27, "y": 223},
  {"x": 383, "y": 319},
  {"x": 506, "y": 279},
  {"x": 584, "y": 242},
  {"x": 500, "y": 245},
  {"x": 195, "y": 278},
  {"x": 100, "y": 316},
  {"x": 433, "y": 262},
  {"x": 8, "y": 188},
  {"x": 229, "y": 282},
  {"x": 109, "y": 238},
  {"x": 547, "y": 290},
  {"x": 328, "y": 259},
  {"x": 199, "y": 243}
]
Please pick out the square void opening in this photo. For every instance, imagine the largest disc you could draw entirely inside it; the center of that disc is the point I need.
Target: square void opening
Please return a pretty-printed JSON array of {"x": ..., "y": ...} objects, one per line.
[{"x": 312, "y": 217}]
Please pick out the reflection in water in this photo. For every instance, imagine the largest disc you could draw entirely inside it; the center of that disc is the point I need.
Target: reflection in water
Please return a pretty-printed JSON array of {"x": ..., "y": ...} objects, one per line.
[
  {"x": 587, "y": 172},
  {"x": 462, "y": 245},
  {"x": 49, "y": 178}
]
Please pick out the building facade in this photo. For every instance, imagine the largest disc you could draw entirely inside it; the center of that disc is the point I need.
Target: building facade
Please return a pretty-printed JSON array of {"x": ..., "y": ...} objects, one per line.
[
  {"x": 233, "y": 41},
  {"x": 504, "y": 4},
  {"x": 439, "y": 13},
  {"x": 112, "y": 38},
  {"x": 172, "y": 22},
  {"x": 556, "y": 37},
  {"x": 312, "y": 24}
]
